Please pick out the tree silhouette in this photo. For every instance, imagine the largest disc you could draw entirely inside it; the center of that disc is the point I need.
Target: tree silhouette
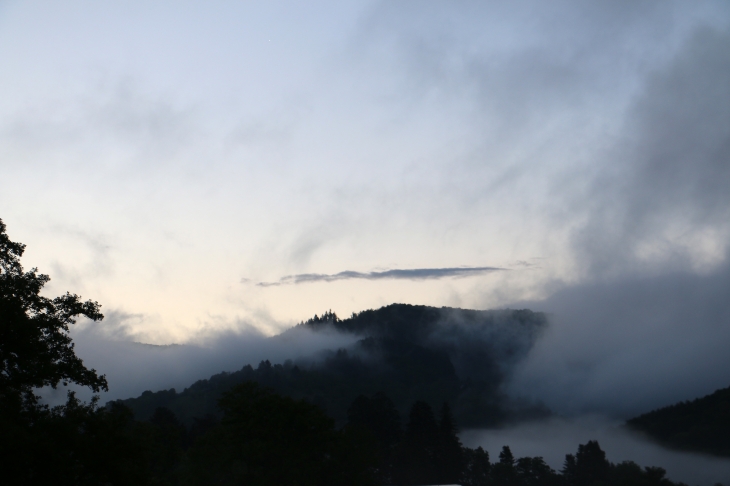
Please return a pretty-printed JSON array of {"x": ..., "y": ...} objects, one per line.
[
  {"x": 415, "y": 461},
  {"x": 163, "y": 438},
  {"x": 67, "y": 444},
  {"x": 504, "y": 472},
  {"x": 449, "y": 451},
  {"x": 477, "y": 468},
  {"x": 378, "y": 415},
  {"x": 591, "y": 464},
  {"x": 378, "y": 418},
  {"x": 264, "y": 438},
  {"x": 534, "y": 471},
  {"x": 35, "y": 348},
  {"x": 569, "y": 470}
]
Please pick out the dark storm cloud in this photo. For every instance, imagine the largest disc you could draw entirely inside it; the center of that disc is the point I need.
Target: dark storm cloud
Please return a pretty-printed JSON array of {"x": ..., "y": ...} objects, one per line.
[
  {"x": 648, "y": 322},
  {"x": 625, "y": 347},
  {"x": 666, "y": 186},
  {"x": 395, "y": 274}
]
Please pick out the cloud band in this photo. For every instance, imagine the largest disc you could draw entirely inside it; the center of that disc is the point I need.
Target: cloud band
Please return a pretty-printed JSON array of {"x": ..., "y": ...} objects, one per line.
[{"x": 395, "y": 274}]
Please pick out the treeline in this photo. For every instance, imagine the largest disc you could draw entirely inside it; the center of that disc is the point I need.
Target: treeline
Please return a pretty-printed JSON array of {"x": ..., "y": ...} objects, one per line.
[
  {"x": 700, "y": 425},
  {"x": 263, "y": 438},
  {"x": 331, "y": 384},
  {"x": 428, "y": 451}
]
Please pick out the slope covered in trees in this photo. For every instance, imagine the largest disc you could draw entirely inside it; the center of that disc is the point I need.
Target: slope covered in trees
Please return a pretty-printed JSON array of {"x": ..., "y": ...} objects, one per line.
[
  {"x": 408, "y": 352},
  {"x": 264, "y": 438},
  {"x": 701, "y": 425}
]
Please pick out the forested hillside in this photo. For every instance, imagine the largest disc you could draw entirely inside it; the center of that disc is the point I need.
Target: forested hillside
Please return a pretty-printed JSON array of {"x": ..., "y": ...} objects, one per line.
[
  {"x": 408, "y": 352},
  {"x": 702, "y": 425}
]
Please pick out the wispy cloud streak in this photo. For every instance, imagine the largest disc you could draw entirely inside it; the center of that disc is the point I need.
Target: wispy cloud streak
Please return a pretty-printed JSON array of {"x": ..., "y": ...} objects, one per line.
[{"x": 394, "y": 274}]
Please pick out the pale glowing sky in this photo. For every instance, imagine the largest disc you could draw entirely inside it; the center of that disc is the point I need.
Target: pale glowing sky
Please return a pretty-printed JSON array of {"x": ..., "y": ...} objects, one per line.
[{"x": 163, "y": 158}]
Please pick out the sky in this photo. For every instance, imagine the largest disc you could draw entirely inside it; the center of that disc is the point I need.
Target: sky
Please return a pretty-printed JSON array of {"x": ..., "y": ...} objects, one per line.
[
  {"x": 215, "y": 172},
  {"x": 214, "y": 169}
]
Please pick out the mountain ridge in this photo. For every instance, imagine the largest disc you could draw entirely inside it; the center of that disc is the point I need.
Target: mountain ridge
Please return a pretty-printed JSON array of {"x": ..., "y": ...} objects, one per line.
[{"x": 409, "y": 352}]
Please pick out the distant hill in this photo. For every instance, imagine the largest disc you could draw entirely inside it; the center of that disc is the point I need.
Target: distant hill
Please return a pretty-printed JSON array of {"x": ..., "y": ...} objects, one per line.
[
  {"x": 408, "y": 352},
  {"x": 702, "y": 425}
]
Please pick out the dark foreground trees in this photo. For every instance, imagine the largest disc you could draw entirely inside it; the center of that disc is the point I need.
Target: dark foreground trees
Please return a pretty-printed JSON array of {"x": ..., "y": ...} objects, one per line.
[
  {"x": 35, "y": 348},
  {"x": 265, "y": 438},
  {"x": 428, "y": 451},
  {"x": 75, "y": 443}
]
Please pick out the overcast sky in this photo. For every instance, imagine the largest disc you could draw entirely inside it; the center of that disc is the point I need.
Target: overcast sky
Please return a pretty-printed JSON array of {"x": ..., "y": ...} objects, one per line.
[{"x": 203, "y": 167}]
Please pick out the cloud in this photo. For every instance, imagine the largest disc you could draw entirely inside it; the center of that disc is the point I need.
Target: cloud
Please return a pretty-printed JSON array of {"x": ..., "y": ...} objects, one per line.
[
  {"x": 395, "y": 274},
  {"x": 133, "y": 367},
  {"x": 646, "y": 321},
  {"x": 631, "y": 345},
  {"x": 659, "y": 199}
]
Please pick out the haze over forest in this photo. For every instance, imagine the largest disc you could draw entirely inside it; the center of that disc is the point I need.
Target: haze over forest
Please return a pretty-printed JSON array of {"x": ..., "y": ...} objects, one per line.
[{"x": 214, "y": 174}]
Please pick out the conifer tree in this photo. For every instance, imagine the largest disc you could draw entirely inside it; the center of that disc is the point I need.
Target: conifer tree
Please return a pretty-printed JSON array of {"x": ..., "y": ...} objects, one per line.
[
  {"x": 477, "y": 468},
  {"x": 504, "y": 472},
  {"x": 591, "y": 464},
  {"x": 415, "y": 462},
  {"x": 449, "y": 455}
]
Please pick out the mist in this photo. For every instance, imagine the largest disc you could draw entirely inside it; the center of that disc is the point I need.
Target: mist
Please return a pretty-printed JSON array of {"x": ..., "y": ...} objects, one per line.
[
  {"x": 555, "y": 438},
  {"x": 132, "y": 367},
  {"x": 628, "y": 346},
  {"x": 644, "y": 321}
]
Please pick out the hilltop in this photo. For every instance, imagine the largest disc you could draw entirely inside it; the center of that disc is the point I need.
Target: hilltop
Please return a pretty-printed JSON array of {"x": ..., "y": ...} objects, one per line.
[{"x": 407, "y": 352}]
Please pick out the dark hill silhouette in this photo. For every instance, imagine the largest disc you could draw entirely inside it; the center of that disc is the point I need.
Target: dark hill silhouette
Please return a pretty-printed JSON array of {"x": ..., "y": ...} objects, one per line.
[
  {"x": 702, "y": 425},
  {"x": 408, "y": 352}
]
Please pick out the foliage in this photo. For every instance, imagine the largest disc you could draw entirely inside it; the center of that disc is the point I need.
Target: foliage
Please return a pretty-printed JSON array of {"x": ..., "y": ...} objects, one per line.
[
  {"x": 477, "y": 469},
  {"x": 35, "y": 348},
  {"x": 377, "y": 419},
  {"x": 266, "y": 439},
  {"x": 74, "y": 443},
  {"x": 416, "y": 456},
  {"x": 449, "y": 451},
  {"x": 591, "y": 464},
  {"x": 424, "y": 456},
  {"x": 430, "y": 450}
]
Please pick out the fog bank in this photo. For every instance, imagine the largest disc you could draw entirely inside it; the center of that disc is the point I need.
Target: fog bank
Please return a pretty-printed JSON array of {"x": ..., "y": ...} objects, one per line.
[
  {"x": 132, "y": 367},
  {"x": 625, "y": 347},
  {"x": 555, "y": 438}
]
